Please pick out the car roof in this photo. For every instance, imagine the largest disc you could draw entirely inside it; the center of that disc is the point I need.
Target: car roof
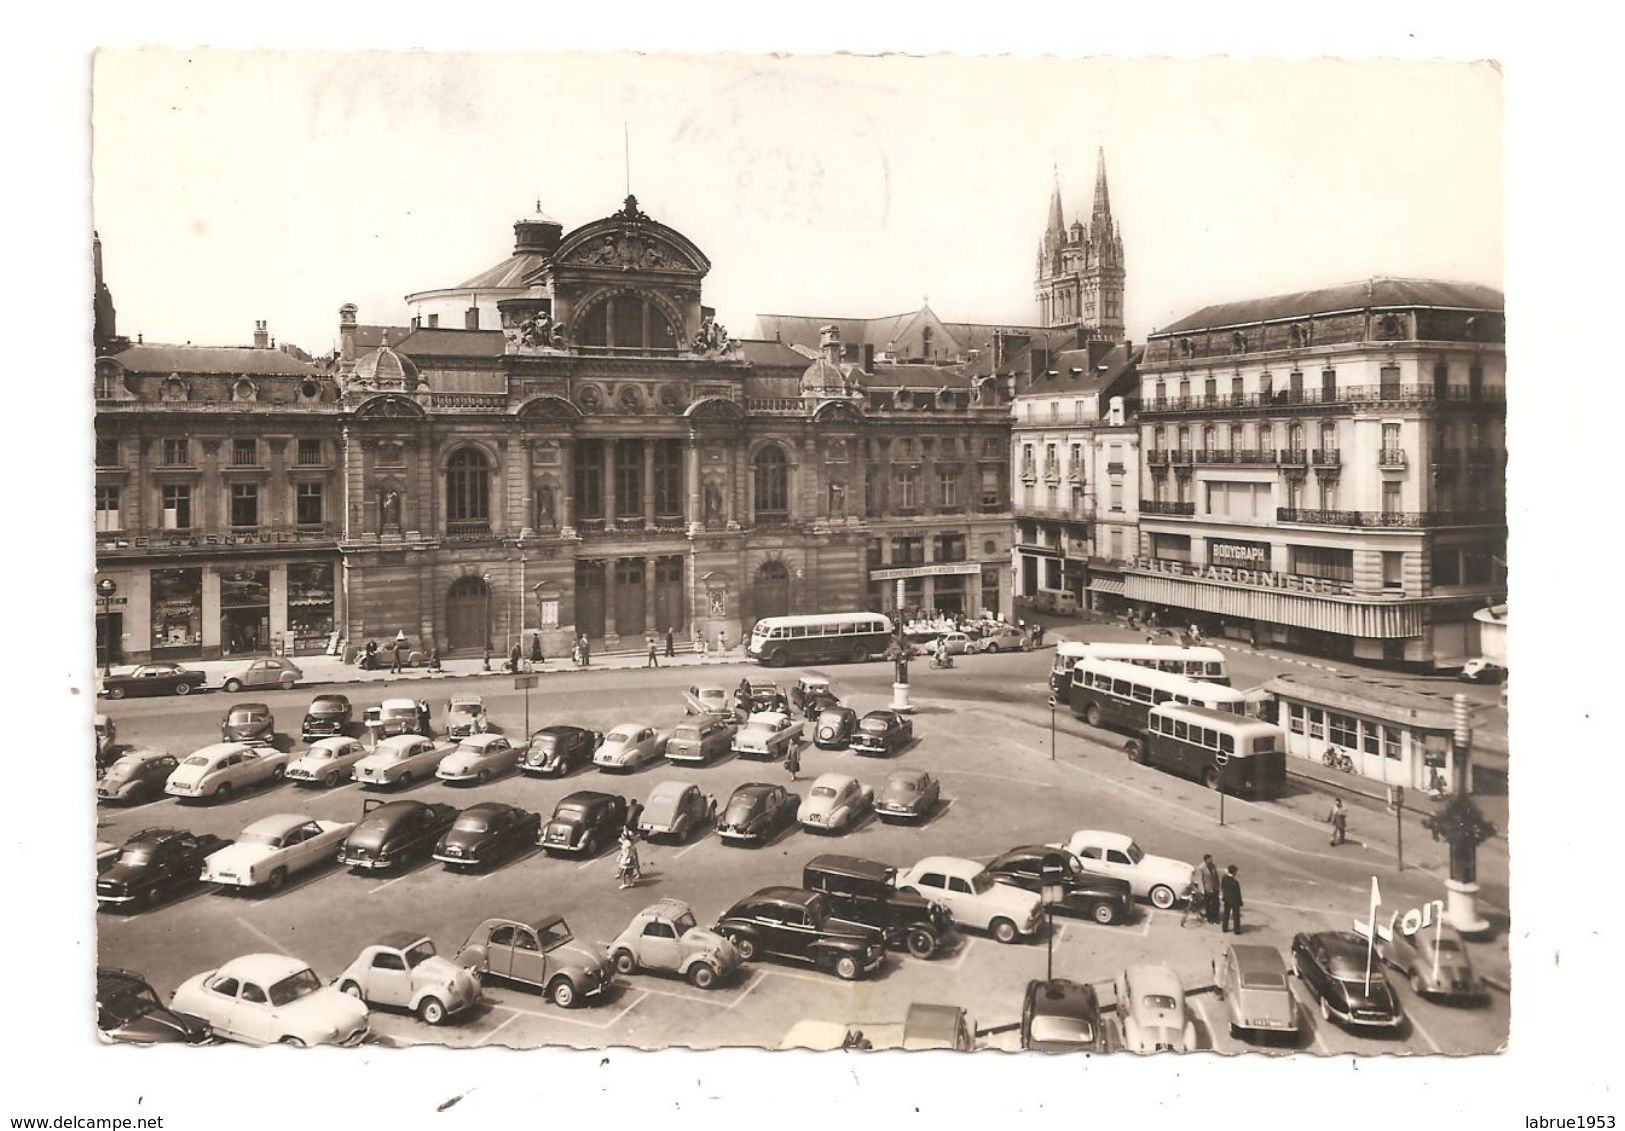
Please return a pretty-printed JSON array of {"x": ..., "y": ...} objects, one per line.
[
  {"x": 467, "y": 701},
  {"x": 667, "y": 908},
  {"x": 907, "y": 775},
  {"x": 484, "y": 739},
  {"x": 487, "y": 807},
  {"x": 1152, "y": 977},
  {"x": 142, "y": 754},
  {"x": 753, "y": 789},
  {"x": 278, "y": 823},
  {"x": 558, "y": 729},
  {"x": 708, "y": 689},
  {"x": 1343, "y": 947},
  {"x": 783, "y": 894},
  {"x": 400, "y": 940},
  {"x": 834, "y": 780},
  {"x": 395, "y": 740},
  {"x": 626, "y": 726},
  {"x": 767, "y": 717},
  {"x": 852, "y": 866},
  {"x": 248, "y": 707},
  {"x": 1063, "y": 997},
  {"x": 262, "y": 968},
  {"x": 1258, "y": 959},
  {"x": 219, "y": 749},
  {"x": 939, "y": 1019},
  {"x": 331, "y": 697},
  {"x": 400, "y": 704},
  {"x": 157, "y": 834},
  {"x": 585, "y": 797},
  {"x": 337, "y": 740},
  {"x": 1104, "y": 839},
  {"x": 100, "y": 719},
  {"x": 670, "y": 789},
  {"x": 112, "y": 979},
  {"x": 948, "y": 865}
]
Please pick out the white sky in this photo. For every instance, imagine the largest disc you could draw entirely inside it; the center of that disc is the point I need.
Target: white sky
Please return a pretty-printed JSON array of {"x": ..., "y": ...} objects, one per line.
[{"x": 232, "y": 186}]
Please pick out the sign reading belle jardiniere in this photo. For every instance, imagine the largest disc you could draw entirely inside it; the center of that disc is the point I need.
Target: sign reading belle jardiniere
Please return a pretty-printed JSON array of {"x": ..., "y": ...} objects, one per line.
[{"x": 1258, "y": 579}]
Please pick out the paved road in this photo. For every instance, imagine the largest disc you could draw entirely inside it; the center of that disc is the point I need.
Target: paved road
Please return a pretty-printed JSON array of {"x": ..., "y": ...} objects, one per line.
[{"x": 981, "y": 728}]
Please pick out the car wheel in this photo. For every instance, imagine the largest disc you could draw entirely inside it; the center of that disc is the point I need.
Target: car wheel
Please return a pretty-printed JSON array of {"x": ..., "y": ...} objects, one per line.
[
  {"x": 703, "y": 975},
  {"x": 278, "y": 773},
  {"x": 589, "y": 845},
  {"x": 780, "y": 659},
  {"x": 992, "y": 649},
  {"x": 332, "y": 779},
  {"x": 1162, "y": 897},
  {"x": 1325, "y": 1010},
  {"x": 859, "y": 653},
  {"x": 115, "y": 692},
  {"x": 1091, "y": 715},
  {"x": 234, "y": 685},
  {"x": 1210, "y": 778},
  {"x": 405, "y": 779},
  {"x": 562, "y": 992},
  {"x": 351, "y": 988},
  {"x": 746, "y": 946},
  {"x": 921, "y": 943},
  {"x": 295, "y": 1042},
  {"x": 1132, "y": 749},
  {"x": 1417, "y": 983},
  {"x": 1003, "y": 930},
  {"x": 432, "y": 1011},
  {"x": 222, "y": 791},
  {"x": 1104, "y": 914},
  {"x": 183, "y": 689},
  {"x": 482, "y": 777},
  {"x": 278, "y": 877},
  {"x": 625, "y": 963},
  {"x": 846, "y": 968},
  {"x": 1297, "y": 969}
]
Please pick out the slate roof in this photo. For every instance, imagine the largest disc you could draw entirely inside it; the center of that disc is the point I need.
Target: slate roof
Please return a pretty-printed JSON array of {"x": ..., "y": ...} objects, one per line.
[
  {"x": 430, "y": 342},
  {"x": 1105, "y": 373},
  {"x": 155, "y": 357},
  {"x": 1374, "y": 292},
  {"x": 760, "y": 353},
  {"x": 880, "y": 332},
  {"x": 371, "y": 337},
  {"x": 511, "y": 273},
  {"x": 915, "y": 377}
]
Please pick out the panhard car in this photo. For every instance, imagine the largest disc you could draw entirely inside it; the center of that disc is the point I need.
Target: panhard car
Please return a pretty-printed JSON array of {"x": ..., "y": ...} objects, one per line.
[
  {"x": 1332, "y": 967},
  {"x": 1159, "y": 879},
  {"x": 699, "y": 739},
  {"x": 268, "y": 999},
  {"x": 399, "y": 760},
  {"x": 392, "y": 833},
  {"x": 556, "y": 750},
  {"x": 756, "y": 813},
  {"x": 834, "y": 728},
  {"x": 129, "y": 1012},
  {"x": 1251, "y": 981},
  {"x": 1061, "y": 1015},
  {"x": 835, "y": 803},
  {"x": 664, "y": 937},
  {"x": 328, "y": 716},
  {"x": 485, "y": 833},
  {"x": 882, "y": 732},
  {"x": 106, "y": 739},
  {"x": 768, "y": 735},
  {"x": 1002, "y": 638},
  {"x": 908, "y": 795},
  {"x": 274, "y": 848},
  {"x": 478, "y": 759},
  {"x": 584, "y": 823},
  {"x": 675, "y": 809},
  {"x": 1432, "y": 958},
  {"x": 628, "y": 747},
  {"x": 137, "y": 775},
  {"x": 395, "y": 717},
  {"x": 811, "y": 695},
  {"x": 247, "y": 722},
  {"x": 865, "y": 891},
  {"x": 273, "y": 671},
  {"x": 1105, "y": 899},
  {"x": 402, "y": 971},
  {"x": 160, "y": 678},
  {"x": 971, "y": 894},
  {"x": 786, "y": 922},
  {"x": 1151, "y": 1010},
  {"x": 328, "y": 762},
  {"x": 705, "y": 699},
  {"x": 465, "y": 716},
  {"x": 153, "y": 863},
  {"x": 216, "y": 772},
  {"x": 538, "y": 952}
]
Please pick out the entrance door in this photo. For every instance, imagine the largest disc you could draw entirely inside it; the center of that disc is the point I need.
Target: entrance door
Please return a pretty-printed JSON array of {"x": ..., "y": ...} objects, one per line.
[
  {"x": 1029, "y": 575},
  {"x": 771, "y": 595},
  {"x": 467, "y": 604},
  {"x": 590, "y": 598},
  {"x": 109, "y": 638},
  {"x": 629, "y": 597},
  {"x": 669, "y": 595}
]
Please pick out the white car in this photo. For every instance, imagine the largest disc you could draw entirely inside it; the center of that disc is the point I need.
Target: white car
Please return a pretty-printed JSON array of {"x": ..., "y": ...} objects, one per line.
[
  {"x": 398, "y": 760},
  {"x": 768, "y": 734},
  {"x": 276, "y": 671},
  {"x": 268, "y": 999},
  {"x": 972, "y": 896},
  {"x": 628, "y": 747},
  {"x": 1151, "y": 1010},
  {"x": 273, "y": 848},
  {"x": 837, "y": 801},
  {"x": 479, "y": 759},
  {"x": 329, "y": 761},
  {"x": 217, "y": 771},
  {"x": 1161, "y": 879},
  {"x": 465, "y": 717}
]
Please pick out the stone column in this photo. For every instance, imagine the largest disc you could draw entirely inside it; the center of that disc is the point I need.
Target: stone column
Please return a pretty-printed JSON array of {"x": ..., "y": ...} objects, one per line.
[
  {"x": 610, "y": 627},
  {"x": 609, "y": 484},
  {"x": 567, "y": 487},
  {"x": 211, "y": 511},
  {"x": 420, "y": 456},
  {"x": 527, "y": 489},
  {"x": 739, "y": 497},
  {"x": 649, "y": 625},
  {"x": 648, "y": 484},
  {"x": 281, "y": 509},
  {"x": 691, "y": 475}
]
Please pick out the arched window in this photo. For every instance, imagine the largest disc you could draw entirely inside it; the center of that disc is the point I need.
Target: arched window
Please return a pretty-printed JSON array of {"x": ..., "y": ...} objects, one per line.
[
  {"x": 626, "y": 322},
  {"x": 468, "y": 487},
  {"x": 772, "y": 476}
]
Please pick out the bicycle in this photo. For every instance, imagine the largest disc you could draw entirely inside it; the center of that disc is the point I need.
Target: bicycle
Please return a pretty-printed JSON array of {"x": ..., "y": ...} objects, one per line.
[
  {"x": 1337, "y": 759},
  {"x": 1195, "y": 906},
  {"x": 941, "y": 661}
]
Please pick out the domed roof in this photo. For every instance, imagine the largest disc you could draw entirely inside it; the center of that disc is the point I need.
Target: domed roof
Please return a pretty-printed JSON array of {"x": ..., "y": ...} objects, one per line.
[
  {"x": 383, "y": 368},
  {"x": 824, "y": 379}
]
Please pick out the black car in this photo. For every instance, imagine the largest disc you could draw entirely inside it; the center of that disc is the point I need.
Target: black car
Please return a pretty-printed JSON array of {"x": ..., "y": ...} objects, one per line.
[
  {"x": 153, "y": 862},
  {"x": 882, "y": 732},
  {"x": 127, "y": 1010},
  {"x": 153, "y": 679},
  {"x": 556, "y": 750},
  {"x": 785, "y": 922},
  {"x": 834, "y": 727},
  {"x": 487, "y": 832},
  {"x": 584, "y": 823},
  {"x": 1332, "y": 967},
  {"x": 863, "y": 891},
  {"x": 328, "y": 716},
  {"x": 1061, "y": 1016},
  {"x": 247, "y": 722},
  {"x": 1105, "y": 899},
  {"x": 395, "y": 832},
  {"x": 756, "y": 813}
]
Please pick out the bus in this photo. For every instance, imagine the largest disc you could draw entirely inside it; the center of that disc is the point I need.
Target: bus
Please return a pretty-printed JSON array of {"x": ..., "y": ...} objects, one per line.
[
  {"x": 1120, "y": 695},
  {"x": 1245, "y": 757},
  {"x": 818, "y": 638},
  {"x": 1193, "y": 663}
]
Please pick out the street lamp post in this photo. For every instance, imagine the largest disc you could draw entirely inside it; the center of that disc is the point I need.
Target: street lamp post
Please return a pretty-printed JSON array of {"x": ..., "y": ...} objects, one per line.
[
  {"x": 105, "y": 589},
  {"x": 486, "y": 578},
  {"x": 1052, "y": 726},
  {"x": 1052, "y": 889}
]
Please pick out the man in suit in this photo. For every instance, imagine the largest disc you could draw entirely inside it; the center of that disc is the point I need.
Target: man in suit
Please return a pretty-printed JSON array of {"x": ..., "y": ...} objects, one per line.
[
  {"x": 1230, "y": 890},
  {"x": 1208, "y": 874}
]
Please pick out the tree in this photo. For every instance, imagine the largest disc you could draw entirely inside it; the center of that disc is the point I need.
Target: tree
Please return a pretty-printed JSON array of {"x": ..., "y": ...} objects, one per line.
[
  {"x": 898, "y": 652},
  {"x": 1460, "y": 825}
]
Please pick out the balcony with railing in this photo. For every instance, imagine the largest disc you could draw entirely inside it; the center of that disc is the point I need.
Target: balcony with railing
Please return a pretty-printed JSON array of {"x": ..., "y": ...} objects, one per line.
[
  {"x": 1082, "y": 512},
  {"x": 469, "y": 402},
  {"x": 1265, "y": 456},
  {"x": 782, "y": 518},
  {"x": 1167, "y": 509},
  {"x": 1157, "y": 457},
  {"x": 1307, "y": 398},
  {"x": 1327, "y": 457},
  {"x": 1294, "y": 457},
  {"x": 1390, "y": 519},
  {"x": 1182, "y": 457},
  {"x": 1391, "y": 458},
  {"x": 468, "y": 530},
  {"x": 777, "y": 406}
]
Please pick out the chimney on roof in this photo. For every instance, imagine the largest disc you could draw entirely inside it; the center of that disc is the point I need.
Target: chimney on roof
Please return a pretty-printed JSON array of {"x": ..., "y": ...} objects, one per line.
[
  {"x": 829, "y": 340},
  {"x": 471, "y": 316},
  {"x": 347, "y": 314},
  {"x": 261, "y": 338},
  {"x": 868, "y": 357}
]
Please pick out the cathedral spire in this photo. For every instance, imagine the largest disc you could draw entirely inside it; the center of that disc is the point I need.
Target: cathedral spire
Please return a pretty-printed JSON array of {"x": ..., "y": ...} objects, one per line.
[
  {"x": 1057, "y": 223},
  {"x": 1103, "y": 201}
]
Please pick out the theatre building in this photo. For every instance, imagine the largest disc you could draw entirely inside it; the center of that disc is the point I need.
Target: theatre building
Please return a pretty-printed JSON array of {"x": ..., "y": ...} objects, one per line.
[{"x": 1327, "y": 469}]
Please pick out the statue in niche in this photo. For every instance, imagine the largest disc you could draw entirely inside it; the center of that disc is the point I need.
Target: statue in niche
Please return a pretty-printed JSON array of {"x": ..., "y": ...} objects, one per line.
[
  {"x": 719, "y": 602},
  {"x": 713, "y": 504},
  {"x": 546, "y": 514},
  {"x": 837, "y": 500},
  {"x": 389, "y": 509}
]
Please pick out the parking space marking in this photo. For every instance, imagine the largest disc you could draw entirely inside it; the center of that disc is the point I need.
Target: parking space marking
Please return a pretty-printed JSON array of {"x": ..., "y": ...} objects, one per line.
[
  {"x": 1201, "y": 1010},
  {"x": 759, "y": 977},
  {"x": 253, "y": 930},
  {"x": 1311, "y": 1012},
  {"x": 959, "y": 959},
  {"x": 513, "y": 1015},
  {"x": 386, "y": 883},
  {"x": 690, "y": 848},
  {"x": 1426, "y": 1036},
  {"x": 1145, "y": 931},
  {"x": 701, "y": 997}
]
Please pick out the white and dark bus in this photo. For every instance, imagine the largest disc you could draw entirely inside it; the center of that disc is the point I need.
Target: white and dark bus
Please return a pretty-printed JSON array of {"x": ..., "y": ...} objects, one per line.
[
  {"x": 1243, "y": 756},
  {"x": 1193, "y": 663},
  {"x": 1120, "y": 695},
  {"x": 818, "y": 638}
]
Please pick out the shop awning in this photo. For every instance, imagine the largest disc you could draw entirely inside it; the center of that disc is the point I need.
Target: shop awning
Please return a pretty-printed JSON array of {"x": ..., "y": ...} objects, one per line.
[
  {"x": 1107, "y": 585},
  {"x": 1391, "y": 620}
]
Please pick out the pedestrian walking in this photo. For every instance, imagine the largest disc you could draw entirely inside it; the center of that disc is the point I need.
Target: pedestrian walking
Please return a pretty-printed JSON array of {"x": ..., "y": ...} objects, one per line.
[
  {"x": 516, "y": 656},
  {"x": 654, "y": 656},
  {"x": 395, "y": 655},
  {"x": 792, "y": 761},
  {"x": 634, "y": 813},
  {"x": 1230, "y": 889},
  {"x": 423, "y": 719},
  {"x": 671, "y": 644},
  {"x": 1208, "y": 877},
  {"x": 722, "y": 641},
  {"x": 434, "y": 659},
  {"x": 586, "y": 651},
  {"x": 1338, "y": 818},
  {"x": 536, "y": 648}
]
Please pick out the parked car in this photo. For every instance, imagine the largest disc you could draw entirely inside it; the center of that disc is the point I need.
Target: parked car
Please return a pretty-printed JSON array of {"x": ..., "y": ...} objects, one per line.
[
  {"x": 137, "y": 775},
  {"x": 701, "y": 738},
  {"x": 704, "y": 699},
  {"x": 957, "y": 643},
  {"x": 1160, "y": 879},
  {"x": 268, "y": 999},
  {"x": 402, "y": 970},
  {"x": 628, "y": 747},
  {"x": 1151, "y": 1010},
  {"x": 768, "y": 735},
  {"x": 153, "y": 679},
  {"x": 328, "y": 762},
  {"x": 465, "y": 716},
  {"x": 216, "y": 772},
  {"x": 274, "y": 848},
  {"x": 485, "y": 833},
  {"x": 675, "y": 809},
  {"x": 478, "y": 759},
  {"x": 928, "y": 1026},
  {"x": 975, "y": 900},
  {"x": 834, "y": 728},
  {"x": 1061, "y": 1015},
  {"x": 882, "y": 732},
  {"x": 129, "y": 1012},
  {"x": 538, "y": 952},
  {"x": 665, "y": 937},
  {"x": 785, "y": 922},
  {"x": 756, "y": 813},
  {"x": 1251, "y": 981},
  {"x": 811, "y": 695},
  {"x": 556, "y": 750},
  {"x": 584, "y": 823},
  {"x": 835, "y": 803},
  {"x": 393, "y": 833},
  {"x": 1332, "y": 967},
  {"x": 328, "y": 716},
  {"x": 1480, "y": 670},
  {"x": 763, "y": 697},
  {"x": 154, "y": 863},
  {"x": 908, "y": 795},
  {"x": 106, "y": 737},
  {"x": 1105, "y": 899},
  {"x": 247, "y": 722},
  {"x": 864, "y": 891},
  {"x": 395, "y": 717},
  {"x": 274, "y": 671},
  {"x": 399, "y": 760},
  {"x": 1003, "y": 638},
  {"x": 106, "y": 856},
  {"x": 1433, "y": 959}
]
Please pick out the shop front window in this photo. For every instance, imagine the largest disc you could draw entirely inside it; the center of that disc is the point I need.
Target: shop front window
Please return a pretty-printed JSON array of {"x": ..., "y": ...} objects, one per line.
[
  {"x": 177, "y": 609},
  {"x": 310, "y": 605},
  {"x": 990, "y": 590},
  {"x": 245, "y": 611}
]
